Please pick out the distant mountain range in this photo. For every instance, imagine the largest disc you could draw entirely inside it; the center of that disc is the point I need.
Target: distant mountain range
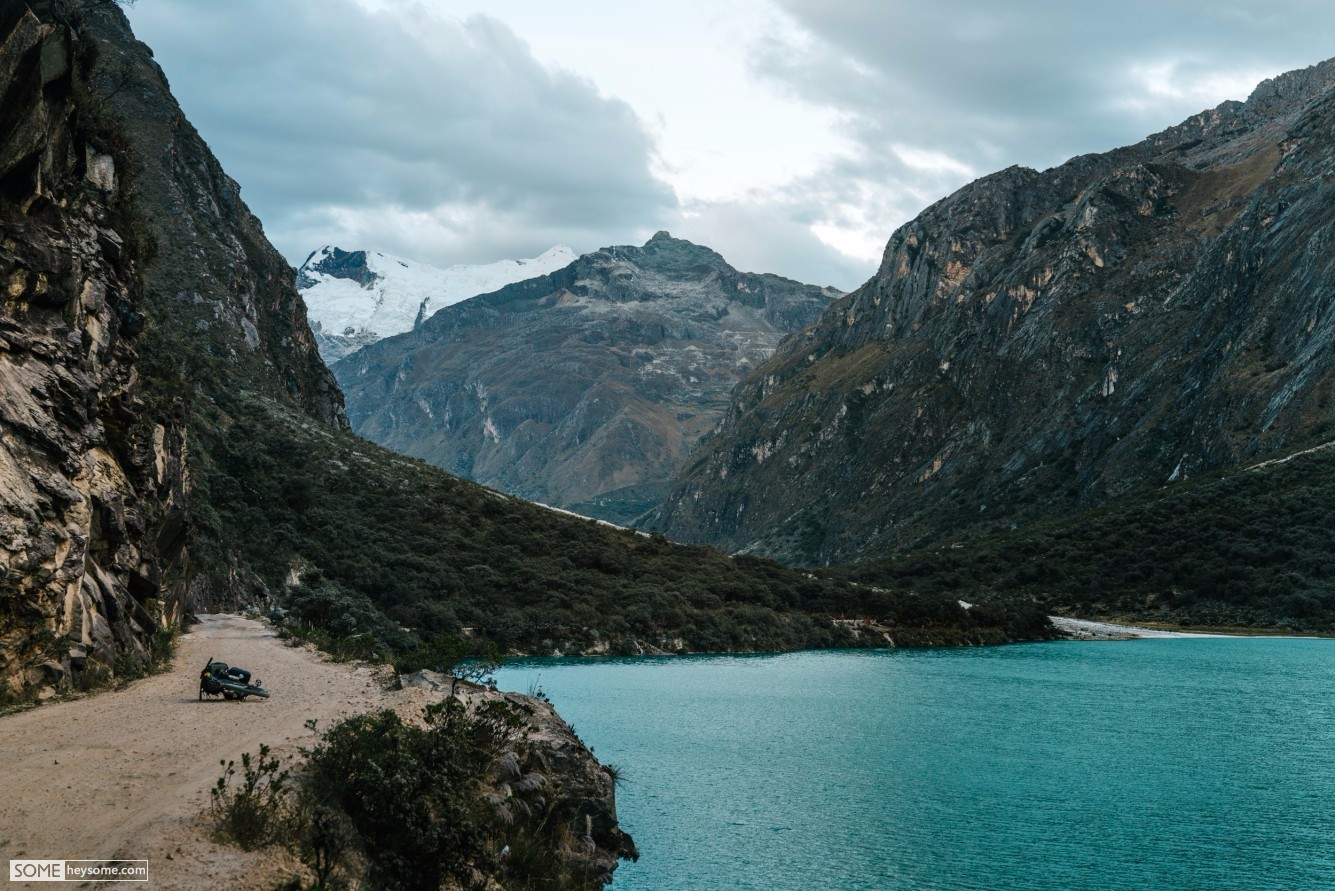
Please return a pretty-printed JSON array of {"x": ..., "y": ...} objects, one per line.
[
  {"x": 1040, "y": 343},
  {"x": 585, "y": 388},
  {"x": 354, "y": 298},
  {"x": 171, "y": 442}
]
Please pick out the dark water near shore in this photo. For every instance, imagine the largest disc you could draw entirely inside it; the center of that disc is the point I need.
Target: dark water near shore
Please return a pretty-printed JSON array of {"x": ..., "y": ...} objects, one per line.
[{"x": 1148, "y": 764}]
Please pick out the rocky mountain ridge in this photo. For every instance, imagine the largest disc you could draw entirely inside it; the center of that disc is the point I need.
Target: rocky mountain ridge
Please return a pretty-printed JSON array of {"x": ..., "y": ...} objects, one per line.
[
  {"x": 355, "y": 298},
  {"x": 586, "y": 388},
  {"x": 96, "y": 476},
  {"x": 93, "y": 486},
  {"x": 1041, "y": 342}
]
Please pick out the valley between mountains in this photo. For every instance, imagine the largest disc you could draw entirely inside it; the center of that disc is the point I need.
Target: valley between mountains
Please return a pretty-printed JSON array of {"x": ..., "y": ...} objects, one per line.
[{"x": 1103, "y": 390}]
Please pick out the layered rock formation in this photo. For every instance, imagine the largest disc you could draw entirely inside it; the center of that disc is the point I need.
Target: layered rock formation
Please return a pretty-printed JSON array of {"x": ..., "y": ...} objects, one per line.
[
  {"x": 586, "y": 388},
  {"x": 95, "y": 390},
  {"x": 92, "y": 485},
  {"x": 1041, "y": 342}
]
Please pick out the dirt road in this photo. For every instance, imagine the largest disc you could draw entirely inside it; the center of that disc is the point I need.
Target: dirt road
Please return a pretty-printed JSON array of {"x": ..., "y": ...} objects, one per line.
[{"x": 127, "y": 774}]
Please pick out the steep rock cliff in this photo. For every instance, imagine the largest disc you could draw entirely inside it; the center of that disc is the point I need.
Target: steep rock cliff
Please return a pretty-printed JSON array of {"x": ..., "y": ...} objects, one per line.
[
  {"x": 92, "y": 484},
  {"x": 137, "y": 286},
  {"x": 586, "y": 388},
  {"x": 1041, "y": 342}
]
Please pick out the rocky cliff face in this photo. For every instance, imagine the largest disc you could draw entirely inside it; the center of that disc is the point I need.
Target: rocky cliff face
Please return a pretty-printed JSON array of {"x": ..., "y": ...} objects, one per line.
[
  {"x": 92, "y": 485},
  {"x": 222, "y": 302},
  {"x": 1040, "y": 342},
  {"x": 135, "y": 282},
  {"x": 586, "y": 388}
]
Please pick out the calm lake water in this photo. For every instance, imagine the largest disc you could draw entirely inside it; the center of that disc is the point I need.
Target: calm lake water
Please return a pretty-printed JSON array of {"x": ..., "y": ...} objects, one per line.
[{"x": 1148, "y": 764}]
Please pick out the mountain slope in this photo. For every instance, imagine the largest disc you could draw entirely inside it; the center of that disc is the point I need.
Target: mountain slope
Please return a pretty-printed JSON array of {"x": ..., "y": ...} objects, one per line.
[
  {"x": 586, "y": 388},
  {"x": 1250, "y": 546},
  {"x": 355, "y": 298},
  {"x": 1039, "y": 343},
  {"x": 170, "y": 440}
]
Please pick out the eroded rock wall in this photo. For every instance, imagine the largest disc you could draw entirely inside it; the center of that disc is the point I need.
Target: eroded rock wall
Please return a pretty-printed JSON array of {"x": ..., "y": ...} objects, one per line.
[{"x": 93, "y": 485}]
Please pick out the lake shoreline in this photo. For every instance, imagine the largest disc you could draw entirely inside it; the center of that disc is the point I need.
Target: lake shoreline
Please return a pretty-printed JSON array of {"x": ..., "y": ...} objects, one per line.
[{"x": 1088, "y": 629}]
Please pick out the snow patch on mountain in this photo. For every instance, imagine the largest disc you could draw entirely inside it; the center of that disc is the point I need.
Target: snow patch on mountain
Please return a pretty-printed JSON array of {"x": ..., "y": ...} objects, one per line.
[{"x": 354, "y": 298}]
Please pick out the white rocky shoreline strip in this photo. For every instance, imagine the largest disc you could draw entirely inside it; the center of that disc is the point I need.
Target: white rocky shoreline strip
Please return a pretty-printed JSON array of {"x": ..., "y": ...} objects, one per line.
[{"x": 1082, "y": 629}]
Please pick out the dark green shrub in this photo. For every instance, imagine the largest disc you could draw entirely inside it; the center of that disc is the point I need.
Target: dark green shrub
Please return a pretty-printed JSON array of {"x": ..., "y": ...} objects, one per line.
[
  {"x": 414, "y": 794},
  {"x": 257, "y": 811}
]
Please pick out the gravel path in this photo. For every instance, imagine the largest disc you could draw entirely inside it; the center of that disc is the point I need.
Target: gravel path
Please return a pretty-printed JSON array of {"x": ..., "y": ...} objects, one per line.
[{"x": 126, "y": 774}]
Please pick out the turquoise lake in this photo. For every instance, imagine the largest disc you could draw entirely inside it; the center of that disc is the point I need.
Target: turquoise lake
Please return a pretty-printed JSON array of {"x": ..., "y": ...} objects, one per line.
[{"x": 1146, "y": 764}]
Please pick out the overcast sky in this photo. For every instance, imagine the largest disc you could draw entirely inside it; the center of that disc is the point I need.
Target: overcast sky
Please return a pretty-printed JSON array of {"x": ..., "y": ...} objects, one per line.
[{"x": 792, "y": 136}]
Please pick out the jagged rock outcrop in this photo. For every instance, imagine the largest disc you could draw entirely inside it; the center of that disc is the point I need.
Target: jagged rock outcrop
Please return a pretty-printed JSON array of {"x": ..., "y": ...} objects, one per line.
[
  {"x": 554, "y": 762},
  {"x": 93, "y": 486},
  {"x": 586, "y": 388},
  {"x": 121, "y": 241},
  {"x": 584, "y": 790},
  {"x": 1041, "y": 342}
]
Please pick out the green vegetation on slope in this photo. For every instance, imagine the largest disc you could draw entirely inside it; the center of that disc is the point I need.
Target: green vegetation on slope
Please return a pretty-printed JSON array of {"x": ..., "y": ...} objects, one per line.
[
  {"x": 1251, "y": 547},
  {"x": 393, "y": 552}
]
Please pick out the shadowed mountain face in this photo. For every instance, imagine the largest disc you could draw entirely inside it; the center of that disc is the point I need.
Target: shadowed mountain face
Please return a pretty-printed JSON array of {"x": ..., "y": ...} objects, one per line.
[
  {"x": 1042, "y": 342},
  {"x": 586, "y": 388}
]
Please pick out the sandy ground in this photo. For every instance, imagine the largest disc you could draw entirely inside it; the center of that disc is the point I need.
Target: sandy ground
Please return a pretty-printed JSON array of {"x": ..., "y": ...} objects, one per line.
[
  {"x": 1081, "y": 629},
  {"x": 126, "y": 774}
]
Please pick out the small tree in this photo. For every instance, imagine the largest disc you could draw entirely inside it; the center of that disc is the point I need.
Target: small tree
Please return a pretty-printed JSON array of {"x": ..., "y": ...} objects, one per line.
[{"x": 461, "y": 659}]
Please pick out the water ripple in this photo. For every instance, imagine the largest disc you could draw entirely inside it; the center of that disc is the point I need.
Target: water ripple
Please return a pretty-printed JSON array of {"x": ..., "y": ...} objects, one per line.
[{"x": 1191, "y": 764}]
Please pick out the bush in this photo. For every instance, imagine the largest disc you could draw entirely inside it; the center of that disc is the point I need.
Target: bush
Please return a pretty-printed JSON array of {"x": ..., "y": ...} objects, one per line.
[
  {"x": 258, "y": 811},
  {"x": 414, "y": 794}
]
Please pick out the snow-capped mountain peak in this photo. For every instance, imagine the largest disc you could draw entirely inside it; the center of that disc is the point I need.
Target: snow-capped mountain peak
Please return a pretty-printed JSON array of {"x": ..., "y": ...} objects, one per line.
[{"x": 354, "y": 298}]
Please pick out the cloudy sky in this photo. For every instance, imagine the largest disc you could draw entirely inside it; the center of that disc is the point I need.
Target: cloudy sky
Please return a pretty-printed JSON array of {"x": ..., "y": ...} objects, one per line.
[{"x": 790, "y": 135}]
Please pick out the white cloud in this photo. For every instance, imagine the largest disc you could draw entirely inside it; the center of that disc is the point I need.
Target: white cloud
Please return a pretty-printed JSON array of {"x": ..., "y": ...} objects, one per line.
[
  {"x": 423, "y": 136},
  {"x": 1165, "y": 85},
  {"x": 790, "y": 135},
  {"x": 931, "y": 161}
]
